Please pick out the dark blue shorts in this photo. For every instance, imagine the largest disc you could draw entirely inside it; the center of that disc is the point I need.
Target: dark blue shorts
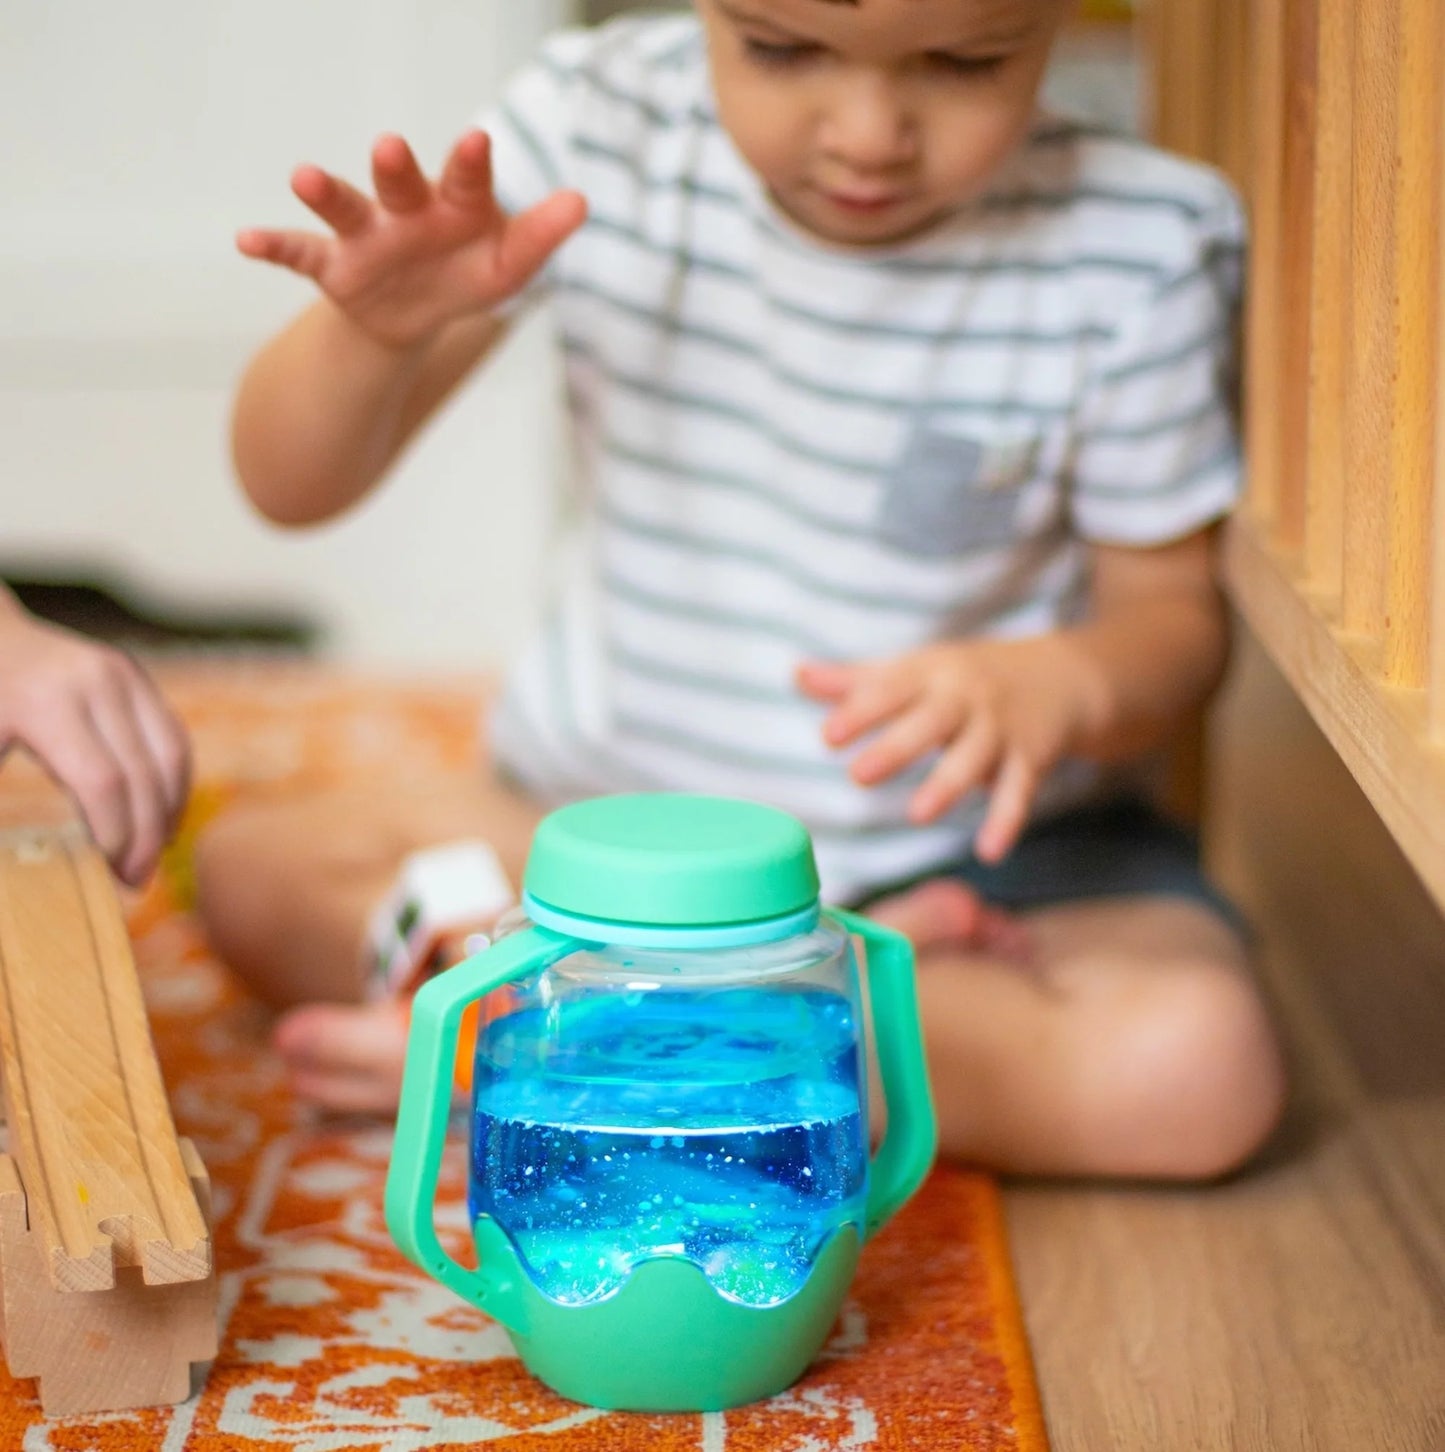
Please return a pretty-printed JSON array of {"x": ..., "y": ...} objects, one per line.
[{"x": 1123, "y": 846}]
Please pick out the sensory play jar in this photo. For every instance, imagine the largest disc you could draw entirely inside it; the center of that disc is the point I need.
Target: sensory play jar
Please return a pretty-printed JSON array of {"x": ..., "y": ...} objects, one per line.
[{"x": 668, "y": 1165}]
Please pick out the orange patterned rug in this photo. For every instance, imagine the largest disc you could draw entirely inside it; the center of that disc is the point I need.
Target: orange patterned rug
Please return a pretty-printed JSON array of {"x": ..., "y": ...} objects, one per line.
[{"x": 330, "y": 1340}]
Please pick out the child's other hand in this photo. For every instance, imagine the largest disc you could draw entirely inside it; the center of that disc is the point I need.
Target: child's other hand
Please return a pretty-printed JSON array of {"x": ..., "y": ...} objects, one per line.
[
  {"x": 96, "y": 722},
  {"x": 1000, "y": 713},
  {"x": 421, "y": 253}
]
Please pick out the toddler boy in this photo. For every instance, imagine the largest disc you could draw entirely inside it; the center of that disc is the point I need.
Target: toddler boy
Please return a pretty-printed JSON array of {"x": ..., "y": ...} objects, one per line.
[{"x": 903, "y": 413}]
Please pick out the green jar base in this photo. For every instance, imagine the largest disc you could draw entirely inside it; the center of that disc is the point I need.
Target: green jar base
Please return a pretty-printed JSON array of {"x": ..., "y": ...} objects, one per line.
[{"x": 667, "y": 1341}]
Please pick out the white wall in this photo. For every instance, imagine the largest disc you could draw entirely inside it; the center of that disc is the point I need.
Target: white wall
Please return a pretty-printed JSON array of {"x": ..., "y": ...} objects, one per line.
[{"x": 134, "y": 140}]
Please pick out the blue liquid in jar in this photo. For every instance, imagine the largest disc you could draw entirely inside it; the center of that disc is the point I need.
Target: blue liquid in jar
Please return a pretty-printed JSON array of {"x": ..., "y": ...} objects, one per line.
[{"x": 722, "y": 1126}]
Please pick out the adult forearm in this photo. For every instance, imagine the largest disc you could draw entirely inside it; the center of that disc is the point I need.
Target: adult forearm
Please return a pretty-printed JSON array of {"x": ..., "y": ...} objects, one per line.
[{"x": 1148, "y": 668}]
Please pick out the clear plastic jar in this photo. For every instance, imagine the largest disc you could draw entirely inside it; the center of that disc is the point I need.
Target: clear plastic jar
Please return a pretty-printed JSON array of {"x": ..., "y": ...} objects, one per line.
[{"x": 631, "y": 1102}]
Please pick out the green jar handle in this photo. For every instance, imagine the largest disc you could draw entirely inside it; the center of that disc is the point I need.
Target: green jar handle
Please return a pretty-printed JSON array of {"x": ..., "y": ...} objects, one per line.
[
  {"x": 426, "y": 1096},
  {"x": 911, "y": 1140}
]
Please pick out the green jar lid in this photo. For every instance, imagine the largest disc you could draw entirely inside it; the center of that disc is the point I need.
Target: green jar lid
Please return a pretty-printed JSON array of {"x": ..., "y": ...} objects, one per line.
[{"x": 672, "y": 860}]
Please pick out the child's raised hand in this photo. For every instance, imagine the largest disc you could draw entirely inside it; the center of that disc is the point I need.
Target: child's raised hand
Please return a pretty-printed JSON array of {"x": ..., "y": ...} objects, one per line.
[
  {"x": 420, "y": 253},
  {"x": 98, "y": 725},
  {"x": 1000, "y": 713}
]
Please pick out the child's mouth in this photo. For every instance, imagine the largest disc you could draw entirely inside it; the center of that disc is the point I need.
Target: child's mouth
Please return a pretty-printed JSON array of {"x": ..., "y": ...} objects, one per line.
[{"x": 863, "y": 203}]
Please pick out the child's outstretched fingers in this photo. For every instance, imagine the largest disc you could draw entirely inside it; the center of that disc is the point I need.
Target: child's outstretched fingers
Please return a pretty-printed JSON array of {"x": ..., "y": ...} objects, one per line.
[
  {"x": 914, "y": 714},
  {"x": 531, "y": 237},
  {"x": 395, "y": 174},
  {"x": 466, "y": 179},
  {"x": 865, "y": 696},
  {"x": 994, "y": 711},
  {"x": 824, "y": 680},
  {"x": 1008, "y": 808},
  {"x": 347, "y": 211},
  {"x": 928, "y": 724},
  {"x": 304, "y": 253},
  {"x": 970, "y": 759},
  {"x": 417, "y": 256}
]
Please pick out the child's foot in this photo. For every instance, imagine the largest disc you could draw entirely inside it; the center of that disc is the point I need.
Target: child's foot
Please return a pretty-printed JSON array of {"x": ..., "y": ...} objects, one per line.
[
  {"x": 943, "y": 913},
  {"x": 346, "y": 1058}
]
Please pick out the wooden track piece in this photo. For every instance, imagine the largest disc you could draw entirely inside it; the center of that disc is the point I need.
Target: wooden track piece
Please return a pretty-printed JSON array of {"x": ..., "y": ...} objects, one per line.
[
  {"x": 131, "y": 1345},
  {"x": 104, "y": 1245}
]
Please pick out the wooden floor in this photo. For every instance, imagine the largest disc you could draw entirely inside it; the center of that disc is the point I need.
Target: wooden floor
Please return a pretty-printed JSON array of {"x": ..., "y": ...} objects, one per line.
[{"x": 1301, "y": 1306}]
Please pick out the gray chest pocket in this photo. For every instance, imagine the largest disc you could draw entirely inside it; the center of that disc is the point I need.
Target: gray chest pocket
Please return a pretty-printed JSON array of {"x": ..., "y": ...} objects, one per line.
[{"x": 950, "y": 494}]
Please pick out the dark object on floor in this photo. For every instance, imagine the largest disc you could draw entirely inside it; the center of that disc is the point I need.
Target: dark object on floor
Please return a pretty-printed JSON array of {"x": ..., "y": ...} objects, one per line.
[{"x": 100, "y": 610}]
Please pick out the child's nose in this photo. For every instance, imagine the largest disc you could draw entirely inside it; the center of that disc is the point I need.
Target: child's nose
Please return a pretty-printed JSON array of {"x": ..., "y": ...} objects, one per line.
[{"x": 866, "y": 127}]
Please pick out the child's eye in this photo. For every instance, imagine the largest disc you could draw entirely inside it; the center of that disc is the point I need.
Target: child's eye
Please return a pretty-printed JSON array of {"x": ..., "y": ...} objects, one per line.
[
  {"x": 967, "y": 65},
  {"x": 779, "y": 53}
]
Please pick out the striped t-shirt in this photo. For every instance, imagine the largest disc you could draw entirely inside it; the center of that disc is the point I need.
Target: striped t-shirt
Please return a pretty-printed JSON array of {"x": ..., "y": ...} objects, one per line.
[{"x": 789, "y": 450}]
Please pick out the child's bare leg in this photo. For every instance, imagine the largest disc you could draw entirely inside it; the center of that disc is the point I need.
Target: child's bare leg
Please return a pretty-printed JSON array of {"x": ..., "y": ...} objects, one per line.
[
  {"x": 286, "y": 888},
  {"x": 286, "y": 892},
  {"x": 1134, "y": 1044}
]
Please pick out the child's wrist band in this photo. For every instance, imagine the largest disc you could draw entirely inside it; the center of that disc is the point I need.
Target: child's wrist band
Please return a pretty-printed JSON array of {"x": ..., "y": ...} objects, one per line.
[{"x": 438, "y": 890}]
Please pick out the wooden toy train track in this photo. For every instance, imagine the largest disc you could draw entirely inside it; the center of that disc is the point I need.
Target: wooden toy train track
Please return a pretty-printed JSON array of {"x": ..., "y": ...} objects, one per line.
[{"x": 107, "y": 1286}]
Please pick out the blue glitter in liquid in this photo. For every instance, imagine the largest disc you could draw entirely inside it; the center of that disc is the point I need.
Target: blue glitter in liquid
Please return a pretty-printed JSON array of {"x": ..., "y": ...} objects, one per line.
[{"x": 724, "y": 1127}]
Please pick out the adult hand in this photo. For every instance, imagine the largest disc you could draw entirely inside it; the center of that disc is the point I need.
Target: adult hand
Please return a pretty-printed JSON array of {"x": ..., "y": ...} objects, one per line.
[{"x": 97, "y": 724}]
